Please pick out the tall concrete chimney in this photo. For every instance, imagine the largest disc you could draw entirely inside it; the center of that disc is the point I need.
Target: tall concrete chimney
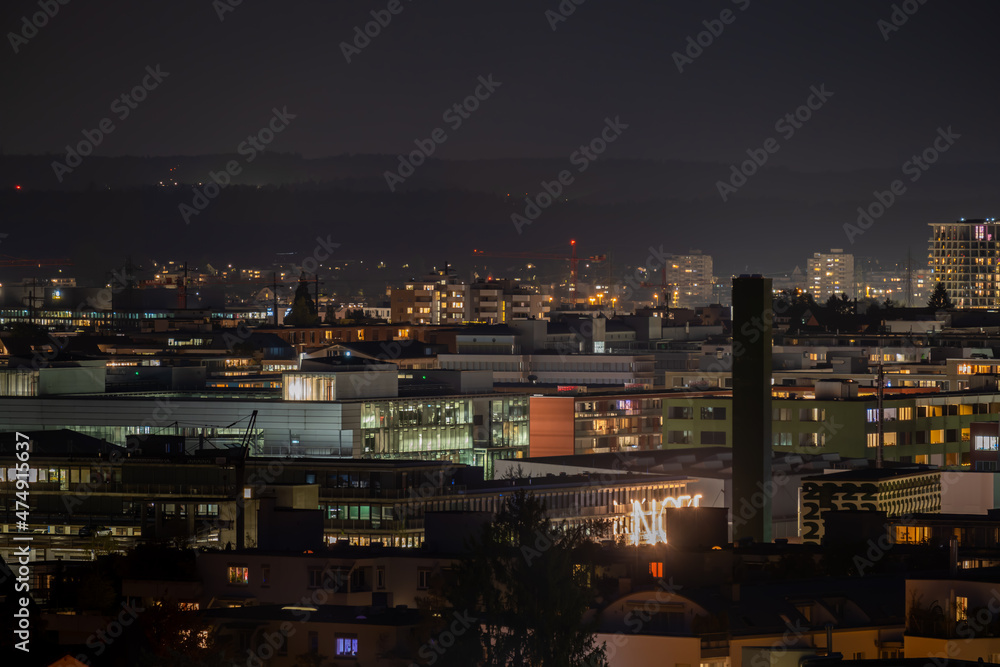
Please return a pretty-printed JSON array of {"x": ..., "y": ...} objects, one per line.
[{"x": 751, "y": 419}]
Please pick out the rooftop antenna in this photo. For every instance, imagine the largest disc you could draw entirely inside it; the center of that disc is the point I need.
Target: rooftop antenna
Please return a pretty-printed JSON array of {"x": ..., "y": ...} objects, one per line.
[
  {"x": 909, "y": 278},
  {"x": 274, "y": 288}
]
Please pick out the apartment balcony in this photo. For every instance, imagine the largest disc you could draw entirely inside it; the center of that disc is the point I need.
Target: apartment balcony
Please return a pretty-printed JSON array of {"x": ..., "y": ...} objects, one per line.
[{"x": 715, "y": 645}]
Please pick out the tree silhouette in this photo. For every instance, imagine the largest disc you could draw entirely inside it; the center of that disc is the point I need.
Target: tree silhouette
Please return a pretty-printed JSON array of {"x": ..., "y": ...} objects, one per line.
[
  {"x": 527, "y": 586},
  {"x": 304, "y": 312},
  {"x": 840, "y": 305},
  {"x": 939, "y": 297}
]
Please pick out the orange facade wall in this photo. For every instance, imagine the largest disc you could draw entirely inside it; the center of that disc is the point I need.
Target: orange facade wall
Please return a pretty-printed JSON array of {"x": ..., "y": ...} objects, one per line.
[{"x": 551, "y": 428}]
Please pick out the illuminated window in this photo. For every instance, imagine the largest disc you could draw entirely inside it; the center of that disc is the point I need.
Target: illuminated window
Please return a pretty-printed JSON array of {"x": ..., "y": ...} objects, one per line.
[
  {"x": 713, "y": 413},
  {"x": 656, "y": 569},
  {"x": 984, "y": 443},
  {"x": 912, "y": 534},
  {"x": 239, "y": 575},
  {"x": 781, "y": 439},
  {"x": 347, "y": 645},
  {"x": 961, "y": 608}
]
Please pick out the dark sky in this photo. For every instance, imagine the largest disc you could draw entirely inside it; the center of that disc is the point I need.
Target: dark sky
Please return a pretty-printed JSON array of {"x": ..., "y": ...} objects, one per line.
[{"x": 607, "y": 58}]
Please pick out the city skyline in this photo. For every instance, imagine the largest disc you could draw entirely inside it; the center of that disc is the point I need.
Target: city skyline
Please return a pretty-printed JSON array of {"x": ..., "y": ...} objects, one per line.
[
  {"x": 558, "y": 333},
  {"x": 788, "y": 121}
]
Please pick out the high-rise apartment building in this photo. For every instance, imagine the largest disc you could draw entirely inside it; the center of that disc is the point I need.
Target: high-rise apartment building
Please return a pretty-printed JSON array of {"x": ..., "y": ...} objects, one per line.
[
  {"x": 830, "y": 273},
  {"x": 965, "y": 256},
  {"x": 439, "y": 298},
  {"x": 690, "y": 278}
]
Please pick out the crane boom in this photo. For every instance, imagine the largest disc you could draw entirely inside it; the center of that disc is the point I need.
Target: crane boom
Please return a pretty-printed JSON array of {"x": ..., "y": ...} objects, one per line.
[
  {"x": 571, "y": 258},
  {"x": 6, "y": 260}
]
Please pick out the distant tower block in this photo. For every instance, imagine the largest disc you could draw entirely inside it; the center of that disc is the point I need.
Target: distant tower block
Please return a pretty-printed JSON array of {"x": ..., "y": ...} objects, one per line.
[{"x": 752, "y": 317}]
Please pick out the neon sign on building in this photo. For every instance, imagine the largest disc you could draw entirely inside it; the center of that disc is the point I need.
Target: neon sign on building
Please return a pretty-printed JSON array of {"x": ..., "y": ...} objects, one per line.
[{"x": 649, "y": 526}]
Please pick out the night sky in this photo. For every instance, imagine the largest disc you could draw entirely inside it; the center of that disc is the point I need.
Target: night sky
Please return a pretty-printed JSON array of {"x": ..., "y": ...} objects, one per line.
[{"x": 557, "y": 87}]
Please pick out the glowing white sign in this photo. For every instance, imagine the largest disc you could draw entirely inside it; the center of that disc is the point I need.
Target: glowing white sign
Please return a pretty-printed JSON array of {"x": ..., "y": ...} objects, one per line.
[{"x": 649, "y": 527}]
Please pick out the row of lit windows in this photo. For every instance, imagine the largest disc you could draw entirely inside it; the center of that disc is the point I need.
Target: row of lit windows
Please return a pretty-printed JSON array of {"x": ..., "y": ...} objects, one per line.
[
  {"x": 801, "y": 439},
  {"x": 932, "y": 437}
]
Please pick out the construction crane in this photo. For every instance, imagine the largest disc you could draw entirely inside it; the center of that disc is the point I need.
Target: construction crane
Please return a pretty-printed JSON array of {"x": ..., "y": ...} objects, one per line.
[
  {"x": 664, "y": 285},
  {"x": 572, "y": 258},
  {"x": 7, "y": 260}
]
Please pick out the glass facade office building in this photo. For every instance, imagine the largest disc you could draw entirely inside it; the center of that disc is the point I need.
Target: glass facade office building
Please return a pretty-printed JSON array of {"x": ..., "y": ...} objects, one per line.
[{"x": 463, "y": 429}]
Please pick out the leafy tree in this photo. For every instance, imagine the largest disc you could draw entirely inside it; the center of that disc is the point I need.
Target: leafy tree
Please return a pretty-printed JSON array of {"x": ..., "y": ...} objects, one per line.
[
  {"x": 304, "y": 312},
  {"x": 840, "y": 305},
  {"x": 524, "y": 583},
  {"x": 179, "y": 638},
  {"x": 939, "y": 297}
]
